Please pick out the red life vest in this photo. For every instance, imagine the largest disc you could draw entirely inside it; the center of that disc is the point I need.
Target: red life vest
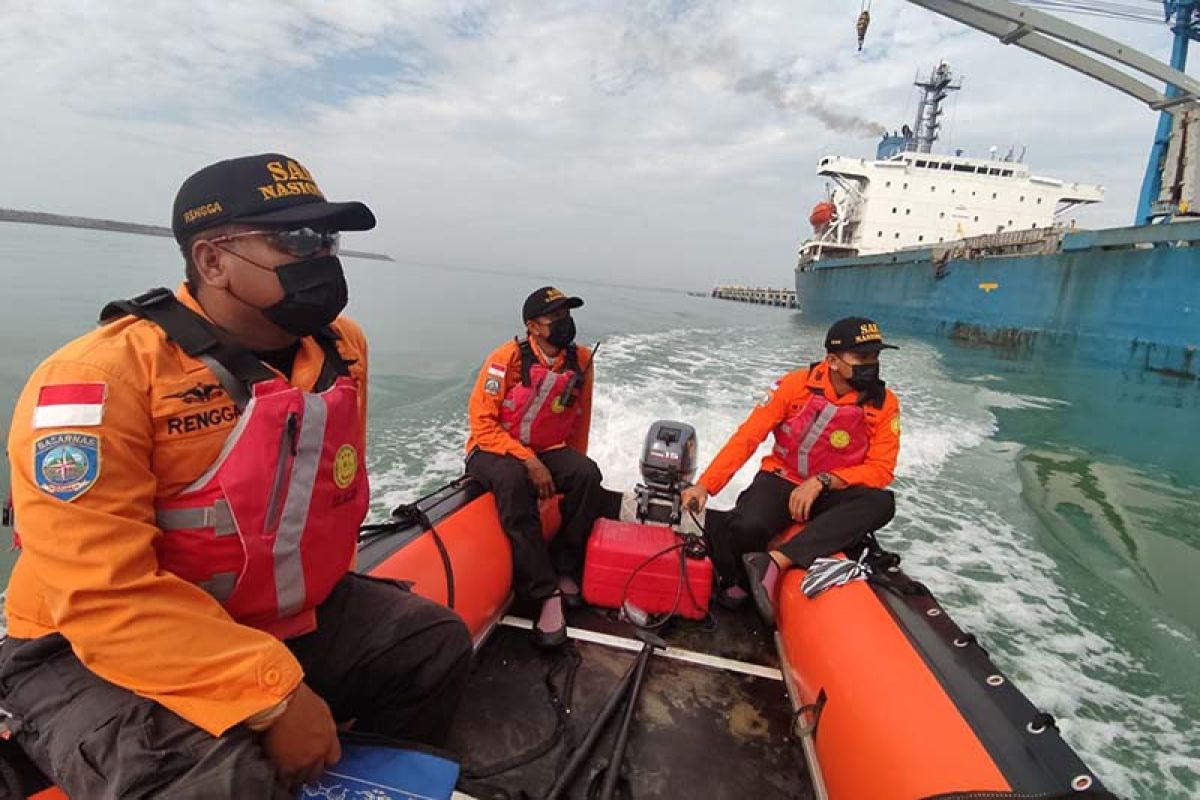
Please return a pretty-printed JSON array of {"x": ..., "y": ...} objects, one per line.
[
  {"x": 821, "y": 437},
  {"x": 272, "y": 525},
  {"x": 540, "y": 410}
]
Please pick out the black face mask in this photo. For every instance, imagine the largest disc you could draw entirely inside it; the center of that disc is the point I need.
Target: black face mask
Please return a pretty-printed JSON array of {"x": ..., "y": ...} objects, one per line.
[
  {"x": 314, "y": 293},
  {"x": 864, "y": 377},
  {"x": 562, "y": 332}
]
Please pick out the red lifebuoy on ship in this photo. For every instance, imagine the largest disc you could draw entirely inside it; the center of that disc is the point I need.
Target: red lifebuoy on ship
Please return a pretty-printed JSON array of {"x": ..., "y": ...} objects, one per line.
[{"x": 822, "y": 214}]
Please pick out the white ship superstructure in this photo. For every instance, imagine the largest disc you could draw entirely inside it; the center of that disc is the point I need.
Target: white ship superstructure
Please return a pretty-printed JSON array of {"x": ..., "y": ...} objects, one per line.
[{"x": 911, "y": 197}]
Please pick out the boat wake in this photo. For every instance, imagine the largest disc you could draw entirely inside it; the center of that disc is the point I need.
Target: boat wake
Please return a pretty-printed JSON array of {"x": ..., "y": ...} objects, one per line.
[{"x": 1068, "y": 640}]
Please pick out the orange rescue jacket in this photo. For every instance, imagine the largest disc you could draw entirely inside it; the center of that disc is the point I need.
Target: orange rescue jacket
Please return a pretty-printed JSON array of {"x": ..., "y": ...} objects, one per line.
[
  {"x": 785, "y": 399},
  {"x": 500, "y": 372},
  {"x": 88, "y": 568}
]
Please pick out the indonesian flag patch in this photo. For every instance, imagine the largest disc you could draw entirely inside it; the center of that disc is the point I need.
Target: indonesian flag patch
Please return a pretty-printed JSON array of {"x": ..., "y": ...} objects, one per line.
[
  {"x": 497, "y": 370},
  {"x": 64, "y": 405}
]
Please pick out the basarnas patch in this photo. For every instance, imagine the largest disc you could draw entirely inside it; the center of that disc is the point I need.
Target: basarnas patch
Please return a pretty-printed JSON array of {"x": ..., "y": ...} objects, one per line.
[
  {"x": 492, "y": 386},
  {"x": 65, "y": 465}
]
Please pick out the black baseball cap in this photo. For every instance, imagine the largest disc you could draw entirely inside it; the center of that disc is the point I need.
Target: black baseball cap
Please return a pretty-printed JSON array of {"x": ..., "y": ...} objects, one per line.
[
  {"x": 858, "y": 334},
  {"x": 546, "y": 300},
  {"x": 269, "y": 188}
]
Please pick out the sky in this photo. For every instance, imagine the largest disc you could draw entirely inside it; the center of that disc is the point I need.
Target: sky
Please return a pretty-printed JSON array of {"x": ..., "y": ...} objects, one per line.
[{"x": 661, "y": 142}]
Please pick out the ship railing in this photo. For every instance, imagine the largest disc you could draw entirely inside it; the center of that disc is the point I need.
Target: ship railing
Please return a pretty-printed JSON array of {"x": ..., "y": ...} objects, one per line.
[{"x": 1029, "y": 241}]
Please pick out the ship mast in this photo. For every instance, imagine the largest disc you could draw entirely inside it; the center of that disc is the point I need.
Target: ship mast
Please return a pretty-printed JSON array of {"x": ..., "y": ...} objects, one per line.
[
  {"x": 1073, "y": 46},
  {"x": 929, "y": 110}
]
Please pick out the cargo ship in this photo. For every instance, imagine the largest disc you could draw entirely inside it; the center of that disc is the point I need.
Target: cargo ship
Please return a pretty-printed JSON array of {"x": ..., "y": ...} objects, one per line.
[{"x": 986, "y": 251}]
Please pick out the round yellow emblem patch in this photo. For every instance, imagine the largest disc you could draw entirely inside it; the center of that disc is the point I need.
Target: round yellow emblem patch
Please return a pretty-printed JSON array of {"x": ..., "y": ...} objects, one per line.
[
  {"x": 839, "y": 439},
  {"x": 896, "y": 425},
  {"x": 556, "y": 406},
  {"x": 345, "y": 466}
]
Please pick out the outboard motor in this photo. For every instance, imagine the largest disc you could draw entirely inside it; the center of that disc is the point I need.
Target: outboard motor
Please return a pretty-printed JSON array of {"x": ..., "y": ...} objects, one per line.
[
  {"x": 668, "y": 465},
  {"x": 643, "y": 563}
]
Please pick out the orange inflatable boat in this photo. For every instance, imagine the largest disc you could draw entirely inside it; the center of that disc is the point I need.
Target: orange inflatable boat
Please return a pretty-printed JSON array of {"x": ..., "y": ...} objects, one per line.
[{"x": 889, "y": 699}]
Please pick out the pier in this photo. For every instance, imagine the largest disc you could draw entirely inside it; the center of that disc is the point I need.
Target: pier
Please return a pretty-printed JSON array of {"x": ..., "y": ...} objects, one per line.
[{"x": 760, "y": 295}]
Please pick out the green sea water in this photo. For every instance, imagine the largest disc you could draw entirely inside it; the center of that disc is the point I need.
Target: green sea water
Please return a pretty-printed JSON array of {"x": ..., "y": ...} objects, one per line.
[{"x": 1052, "y": 508}]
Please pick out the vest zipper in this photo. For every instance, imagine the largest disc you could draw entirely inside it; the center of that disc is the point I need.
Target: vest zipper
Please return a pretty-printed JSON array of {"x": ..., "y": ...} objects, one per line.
[{"x": 287, "y": 451}]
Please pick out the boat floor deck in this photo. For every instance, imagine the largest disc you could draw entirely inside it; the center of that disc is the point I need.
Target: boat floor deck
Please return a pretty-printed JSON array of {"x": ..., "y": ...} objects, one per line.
[{"x": 712, "y": 729}]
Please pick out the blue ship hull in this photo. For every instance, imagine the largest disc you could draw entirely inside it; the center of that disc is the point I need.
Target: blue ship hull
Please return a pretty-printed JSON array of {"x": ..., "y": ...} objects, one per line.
[{"x": 1126, "y": 297}]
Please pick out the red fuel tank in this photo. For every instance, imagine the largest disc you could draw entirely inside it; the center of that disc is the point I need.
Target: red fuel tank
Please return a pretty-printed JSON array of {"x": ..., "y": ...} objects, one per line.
[{"x": 616, "y": 549}]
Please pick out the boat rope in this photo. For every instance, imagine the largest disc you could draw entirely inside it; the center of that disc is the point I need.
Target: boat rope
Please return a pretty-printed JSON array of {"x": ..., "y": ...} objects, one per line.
[
  {"x": 1042, "y": 722},
  {"x": 415, "y": 512},
  {"x": 560, "y": 701},
  {"x": 807, "y": 717},
  {"x": 412, "y": 515}
]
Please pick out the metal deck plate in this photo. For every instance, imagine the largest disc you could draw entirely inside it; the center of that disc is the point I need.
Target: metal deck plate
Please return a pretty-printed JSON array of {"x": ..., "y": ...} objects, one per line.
[{"x": 700, "y": 730}]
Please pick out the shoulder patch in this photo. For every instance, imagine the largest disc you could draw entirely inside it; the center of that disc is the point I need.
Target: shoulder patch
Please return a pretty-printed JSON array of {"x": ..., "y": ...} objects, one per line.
[
  {"x": 65, "y": 465},
  {"x": 497, "y": 370},
  {"x": 63, "y": 405},
  {"x": 896, "y": 424},
  {"x": 770, "y": 393},
  {"x": 492, "y": 385}
]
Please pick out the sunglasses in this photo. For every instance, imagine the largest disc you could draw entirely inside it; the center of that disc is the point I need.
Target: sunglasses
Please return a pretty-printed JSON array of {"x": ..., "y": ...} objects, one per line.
[{"x": 300, "y": 242}]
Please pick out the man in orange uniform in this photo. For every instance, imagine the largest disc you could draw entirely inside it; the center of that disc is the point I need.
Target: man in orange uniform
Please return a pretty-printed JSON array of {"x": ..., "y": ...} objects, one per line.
[
  {"x": 530, "y": 414},
  {"x": 837, "y": 435},
  {"x": 188, "y": 485}
]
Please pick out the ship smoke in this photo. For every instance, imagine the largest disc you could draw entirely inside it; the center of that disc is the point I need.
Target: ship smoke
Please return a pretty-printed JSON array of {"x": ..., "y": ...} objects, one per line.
[{"x": 788, "y": 97}]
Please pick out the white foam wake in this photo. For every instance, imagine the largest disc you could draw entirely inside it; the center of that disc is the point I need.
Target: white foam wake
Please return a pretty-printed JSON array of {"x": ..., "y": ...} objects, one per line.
[{"x": 961, "y": 524}]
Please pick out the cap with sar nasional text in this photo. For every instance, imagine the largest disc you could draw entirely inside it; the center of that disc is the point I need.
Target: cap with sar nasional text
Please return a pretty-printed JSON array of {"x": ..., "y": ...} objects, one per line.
[
  {"x": 857, "y": 334},
  {"x": 545, "y": 300},
  {"x": 267, "y": 189}
]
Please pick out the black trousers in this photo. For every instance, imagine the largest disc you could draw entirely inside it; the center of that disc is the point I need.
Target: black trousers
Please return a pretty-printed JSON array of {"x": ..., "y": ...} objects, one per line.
[
  {"x": 839, "y": 519},
  {"x": 536, "y": 566},
  {"x": 388, "y": 659}
]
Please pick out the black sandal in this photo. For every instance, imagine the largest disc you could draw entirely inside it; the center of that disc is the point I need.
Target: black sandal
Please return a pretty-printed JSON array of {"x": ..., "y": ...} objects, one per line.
[{"x": 548, "y": 640}]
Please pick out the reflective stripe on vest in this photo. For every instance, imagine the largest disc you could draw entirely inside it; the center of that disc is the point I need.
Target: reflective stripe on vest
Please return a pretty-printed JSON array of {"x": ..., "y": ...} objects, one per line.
[
  {"x": 217, "y": 516},
  {"x": 270, "y": 540},
  {"x": 544, "y": 389},
  {"x": 220, "y": 585},
  {"x": 533, "y": 413},
  {"x": 289, "y": 569},
  {"x": 821, "y": 437},
  {"x": 815, "y": 430}
]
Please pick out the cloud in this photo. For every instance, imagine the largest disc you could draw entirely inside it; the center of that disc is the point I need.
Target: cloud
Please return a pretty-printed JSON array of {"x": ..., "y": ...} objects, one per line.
[{"x": 662, "y": 142}]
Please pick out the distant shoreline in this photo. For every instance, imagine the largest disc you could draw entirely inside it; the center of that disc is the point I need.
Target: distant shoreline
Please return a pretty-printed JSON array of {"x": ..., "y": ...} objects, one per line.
[{"x": 92, "y": 223}]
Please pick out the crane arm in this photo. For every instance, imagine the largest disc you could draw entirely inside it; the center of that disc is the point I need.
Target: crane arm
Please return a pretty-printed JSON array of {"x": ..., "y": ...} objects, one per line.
[{"x": 1069, "y": 44}]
